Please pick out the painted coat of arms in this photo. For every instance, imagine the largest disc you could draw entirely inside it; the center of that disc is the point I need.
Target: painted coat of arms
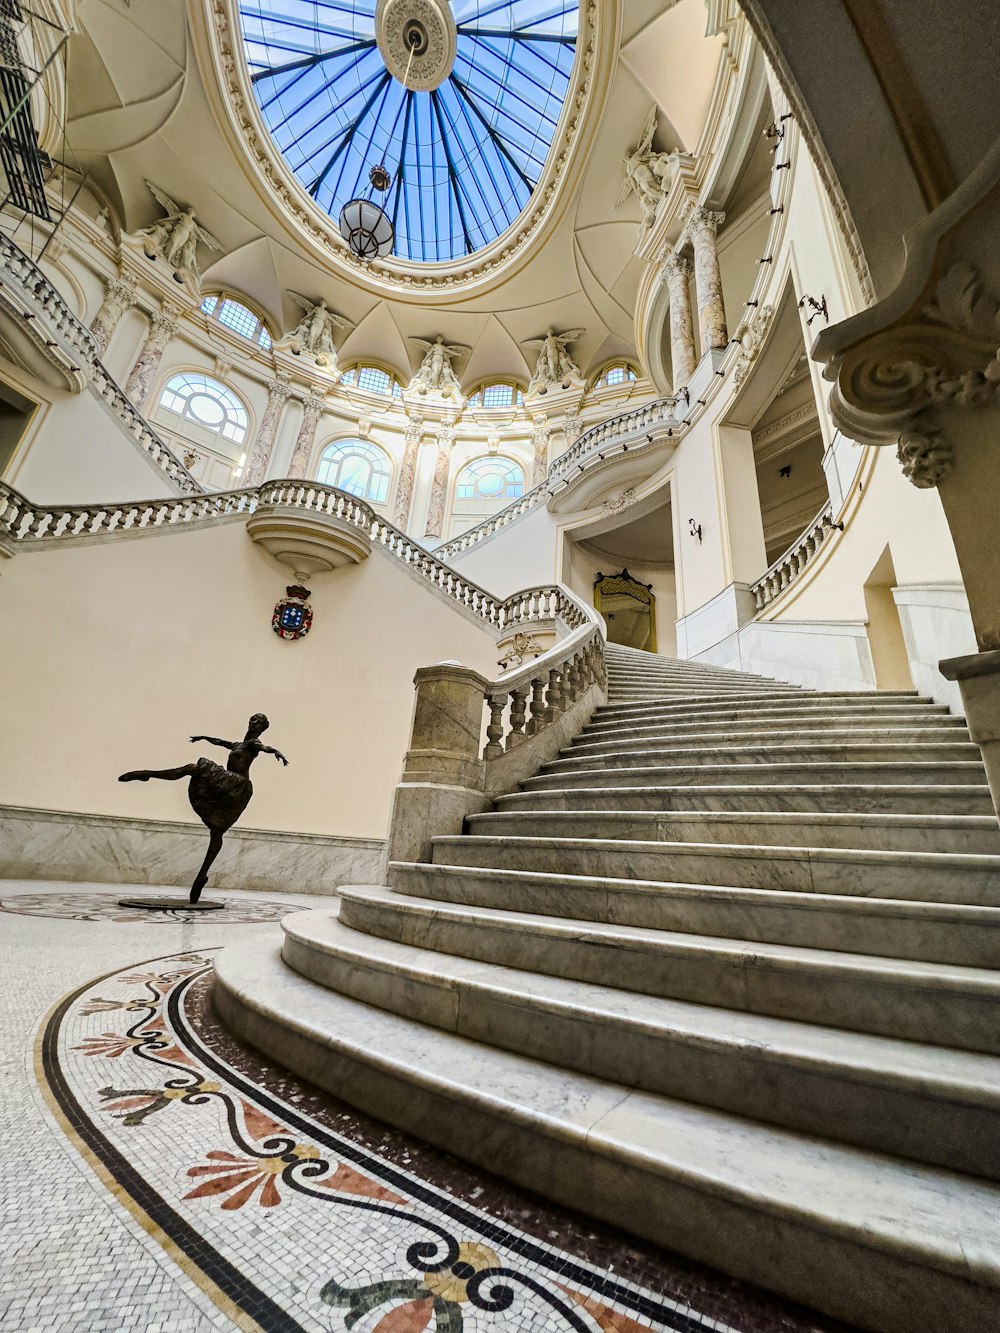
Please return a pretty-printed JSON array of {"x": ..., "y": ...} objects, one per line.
[{"x": 293, "y": 615}]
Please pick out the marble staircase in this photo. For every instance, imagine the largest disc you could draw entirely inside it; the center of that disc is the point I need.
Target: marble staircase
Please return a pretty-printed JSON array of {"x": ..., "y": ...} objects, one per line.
[{"x": 725, "y": 973}]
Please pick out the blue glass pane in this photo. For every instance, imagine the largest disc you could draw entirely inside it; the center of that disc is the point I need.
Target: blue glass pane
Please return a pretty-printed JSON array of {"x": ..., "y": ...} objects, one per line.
[{"x": 464, "y": 158}]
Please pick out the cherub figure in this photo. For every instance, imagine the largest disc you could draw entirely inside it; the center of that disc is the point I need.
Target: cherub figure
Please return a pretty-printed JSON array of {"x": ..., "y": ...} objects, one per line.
[
  {"x": 554, "y": 367},
  {"x": 174, "y": 239},
  {"x": 218, "y": 795},
  {"x": 314, "y": 331},
  {"x": 648, "y": 175},
  {"x": 435, "y": 374}
]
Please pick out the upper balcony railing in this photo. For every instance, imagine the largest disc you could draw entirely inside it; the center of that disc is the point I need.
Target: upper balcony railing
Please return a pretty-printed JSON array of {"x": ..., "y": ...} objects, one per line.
[
  {"x": 788, "y": 566},
  {"x": 31, "y": 296}
]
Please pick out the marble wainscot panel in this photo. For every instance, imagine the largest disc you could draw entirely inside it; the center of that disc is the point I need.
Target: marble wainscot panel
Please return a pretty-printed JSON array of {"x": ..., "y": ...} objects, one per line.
[
  {"x": 936, "y": 624},
  {"x": 105, "y": 849}
]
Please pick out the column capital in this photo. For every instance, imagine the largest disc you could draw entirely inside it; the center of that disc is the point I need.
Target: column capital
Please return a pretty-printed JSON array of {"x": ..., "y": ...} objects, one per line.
[
  {"x": 699, "y": 218},
  {"x": 120, "y": 289},
  {"x": 279, "y": 387},
  {"x": 677, "y": 265}
]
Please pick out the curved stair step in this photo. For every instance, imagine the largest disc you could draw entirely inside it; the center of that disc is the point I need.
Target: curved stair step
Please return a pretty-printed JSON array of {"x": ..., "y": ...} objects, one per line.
[
  {"x": 942, "y": 1004},
  {"x": 668, "y": 739},
  {"x": 845, "y": 752},
  {"x": 916, "y": 1101},
  {"x": 927, "y": 876},
  {"x": 887, "y": 927},
  {"x": 747, "y": 1197},
  {"x": 912, "y": 799},
  {"x": 979, "y": 834},
  {"x": 786, "y": 720},
  {"x": 894, "y": 772}
]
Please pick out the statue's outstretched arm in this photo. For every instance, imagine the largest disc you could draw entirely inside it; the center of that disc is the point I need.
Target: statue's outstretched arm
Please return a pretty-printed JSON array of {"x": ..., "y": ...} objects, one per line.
[
  {"x": 268, "y": 749},
  {"x": 214, "y": 740}
]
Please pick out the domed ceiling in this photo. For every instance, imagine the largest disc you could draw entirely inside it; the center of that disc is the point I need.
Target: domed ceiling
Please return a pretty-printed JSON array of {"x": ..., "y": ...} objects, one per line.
[{"x": 460, "y": 102}]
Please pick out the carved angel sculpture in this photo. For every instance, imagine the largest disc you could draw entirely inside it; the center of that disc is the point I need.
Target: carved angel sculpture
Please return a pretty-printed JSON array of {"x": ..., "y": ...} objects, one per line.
[
  {"x": 174, "y": 239},
  {"x": 648, "y": 175},
  {"x": 314, "y": 331},
  {"x": 435, "y": 374},
  {"x": 554, "y": 367}
]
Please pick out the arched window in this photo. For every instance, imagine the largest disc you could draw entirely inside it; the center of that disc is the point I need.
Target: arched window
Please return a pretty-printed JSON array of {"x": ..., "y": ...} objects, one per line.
[
  {"x": 235, "y": 315},
  {"x": 498, "y": 393},
  {"x": 374, "y": 380},
  {"x": 619, "y": 373},
  {"x": 491, "y": 480},
  {"x": 206, "y": 403},
  {"x": 355, "y": 466}
]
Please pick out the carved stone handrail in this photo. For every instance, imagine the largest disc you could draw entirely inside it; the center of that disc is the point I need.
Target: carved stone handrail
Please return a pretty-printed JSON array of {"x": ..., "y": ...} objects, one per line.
[
  {"x": 31, "y": 296},
  {"x": 590, "y": 450},
  {"x": 27, "y": 526},
  {"x": 530, "y": 713},
  {"x": 616, "y": 431},
  {"x": 792, "y": 562}
]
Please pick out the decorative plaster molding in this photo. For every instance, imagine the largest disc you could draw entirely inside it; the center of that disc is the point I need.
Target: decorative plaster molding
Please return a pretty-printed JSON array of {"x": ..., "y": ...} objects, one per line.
[
  {"x": 619, "y": 502},
  {"x": 750, "y": 335}
]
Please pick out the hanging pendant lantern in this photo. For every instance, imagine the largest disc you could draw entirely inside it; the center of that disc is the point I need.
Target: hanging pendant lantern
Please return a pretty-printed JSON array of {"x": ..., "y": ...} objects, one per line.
[{"x": 364, "y": 225}]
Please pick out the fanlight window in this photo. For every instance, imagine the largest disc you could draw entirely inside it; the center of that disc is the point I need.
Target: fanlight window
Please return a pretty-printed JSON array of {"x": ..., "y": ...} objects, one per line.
[
  {"x": 503, "y": 393},
  {"x": 374, "y": 379},
  {"x": 355, "y": 466},
  {"x": 238, "y": 317},
  {"x": 620, "y": 373},
  {"x": 488, "y": 480},
  {"x": 208, "y": 404}
]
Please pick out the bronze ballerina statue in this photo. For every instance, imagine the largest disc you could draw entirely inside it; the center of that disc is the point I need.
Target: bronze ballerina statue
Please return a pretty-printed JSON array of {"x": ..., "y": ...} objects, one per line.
[{"x": 218, "y": 795}]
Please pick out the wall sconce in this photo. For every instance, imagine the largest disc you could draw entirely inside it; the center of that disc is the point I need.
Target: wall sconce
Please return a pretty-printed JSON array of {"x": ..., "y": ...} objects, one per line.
[
  {"x": 694, "y": 529},
  {"x": 816, "y": 308},
  {"x": 785, "y": 471}
]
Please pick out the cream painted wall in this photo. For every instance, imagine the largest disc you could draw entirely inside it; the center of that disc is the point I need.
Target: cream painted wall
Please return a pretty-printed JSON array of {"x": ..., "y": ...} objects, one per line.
[
  {"x": 126, "y": 648},
  {"x": 523, "y": 554}
]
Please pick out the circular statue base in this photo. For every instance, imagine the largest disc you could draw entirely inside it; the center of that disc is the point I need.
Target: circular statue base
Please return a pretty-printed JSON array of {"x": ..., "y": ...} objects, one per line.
[{"x": 171, "y": 905}]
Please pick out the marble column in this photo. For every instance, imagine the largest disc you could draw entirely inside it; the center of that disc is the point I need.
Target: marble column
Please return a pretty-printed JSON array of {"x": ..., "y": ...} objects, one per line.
[
  {"x": 703, "y": 226},
  {"x": 119, "y": 296},
  {"x": 306, "y": 438},
  {"x": 678, "y": 274},
  {"x": 263, "y": 442},
  {"x": 540, "y": 431},
  {"x": 439, "y": 486},
  {"x": 161, "y": 329},
  {"x": 407, "y": 471}
]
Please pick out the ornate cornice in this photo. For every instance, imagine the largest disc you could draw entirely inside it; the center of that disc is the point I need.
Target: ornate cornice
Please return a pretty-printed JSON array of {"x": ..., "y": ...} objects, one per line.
[{"x": 218, "y": 39}]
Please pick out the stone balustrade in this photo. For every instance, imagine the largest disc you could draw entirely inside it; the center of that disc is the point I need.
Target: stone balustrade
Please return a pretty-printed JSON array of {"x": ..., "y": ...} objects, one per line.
[
  {"x": 790, "y": 565},
  {"x": 529, "y": 713},
  {"x": 616, "y": 435},
  {"x": 30, "y": 296}
]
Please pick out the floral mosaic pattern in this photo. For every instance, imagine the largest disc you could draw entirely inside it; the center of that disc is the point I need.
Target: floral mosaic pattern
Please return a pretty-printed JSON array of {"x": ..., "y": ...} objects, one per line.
[
  {"x": 245, "y": 1186},
  {"x": 105, "y": 907}
]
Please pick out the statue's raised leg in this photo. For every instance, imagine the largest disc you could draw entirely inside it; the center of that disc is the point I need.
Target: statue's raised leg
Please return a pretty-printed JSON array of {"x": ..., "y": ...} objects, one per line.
[
  {"x": 167, "y": 774},
  {"x": 201, "y": 879}
]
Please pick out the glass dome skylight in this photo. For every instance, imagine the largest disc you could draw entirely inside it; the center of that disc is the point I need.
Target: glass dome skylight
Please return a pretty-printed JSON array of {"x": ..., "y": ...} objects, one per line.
[{"x": 463, "y": 127}]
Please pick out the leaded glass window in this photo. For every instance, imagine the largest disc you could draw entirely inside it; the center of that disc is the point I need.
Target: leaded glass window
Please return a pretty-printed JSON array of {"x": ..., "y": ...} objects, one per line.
[
  {"x": 502, "y": 393},
  {"x": 207, "y": 403},
  {"x": 490, "y": 480},
  {"x": 358, "y": 467},
  {"x": 374, "y": 379},
  {"x": 620, "y": 373},
  {"x": 238, "y": 317}
]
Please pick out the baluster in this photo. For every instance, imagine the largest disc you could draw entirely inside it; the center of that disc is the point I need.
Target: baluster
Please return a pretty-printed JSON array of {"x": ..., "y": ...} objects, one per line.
[
  {"x": 552, "y": 699},
  {"x": 497, "y": 703},
  {"x": 518, "y": 704},
  {"x": 537, "y": 719}
]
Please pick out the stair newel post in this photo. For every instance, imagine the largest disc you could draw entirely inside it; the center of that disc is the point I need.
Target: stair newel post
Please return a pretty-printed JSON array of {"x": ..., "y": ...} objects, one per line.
[
  {"x": 537, "y": 719},
  {"x": 518, "y": 706},
  {"x": 494, "y": 731},
  {"x": 443, "y": 777}
]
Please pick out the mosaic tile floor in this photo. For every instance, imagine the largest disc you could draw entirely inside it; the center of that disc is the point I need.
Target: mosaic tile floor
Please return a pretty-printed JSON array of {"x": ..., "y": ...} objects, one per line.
[{"x": 159, "y": 1176}]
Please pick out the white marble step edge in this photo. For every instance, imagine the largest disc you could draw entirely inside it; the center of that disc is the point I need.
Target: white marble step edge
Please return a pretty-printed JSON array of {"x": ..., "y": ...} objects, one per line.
[
  {"x": 937, "y": 876},
  {"x": 859, "y": 798},
  {"x": 744, "y": 774},
  {"x": 784, "y": 719},
  {"x": 938, "y": 1003},
  {"x": 962, "y": 833},
  {"x": 921, "y": 1102},
  {"x": 846, "y": 751},
  {"x": 957, "y": 933},
  {"x": 864, "y": 1237},
  {"x": 803, "y": 737},
  {"x": 641, "y": 710}
]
